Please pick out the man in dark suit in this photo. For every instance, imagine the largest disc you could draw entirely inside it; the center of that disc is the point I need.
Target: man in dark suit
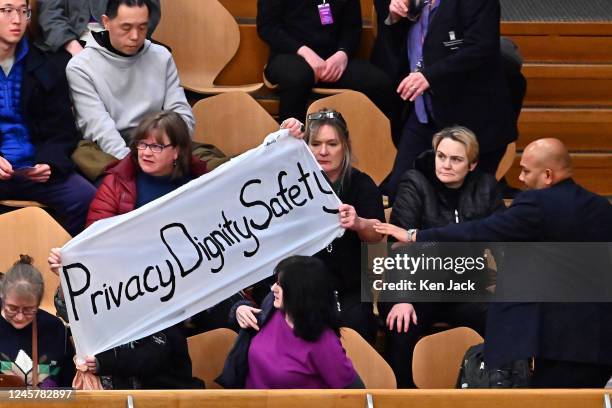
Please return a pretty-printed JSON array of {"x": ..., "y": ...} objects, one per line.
[
  {"x": 571, "y": 342},
  {"x": 453, "y": 75}
]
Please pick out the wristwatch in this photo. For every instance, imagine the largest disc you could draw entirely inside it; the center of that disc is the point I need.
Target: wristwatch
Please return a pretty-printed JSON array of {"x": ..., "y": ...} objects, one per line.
[{"x": 411, "y": 233}]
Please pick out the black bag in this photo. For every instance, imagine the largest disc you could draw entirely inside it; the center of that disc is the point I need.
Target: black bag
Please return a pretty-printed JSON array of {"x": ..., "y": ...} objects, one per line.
[{"x": 475, "y": 374}]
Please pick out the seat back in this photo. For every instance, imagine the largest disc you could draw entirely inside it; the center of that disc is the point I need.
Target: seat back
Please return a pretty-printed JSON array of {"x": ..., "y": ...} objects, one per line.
[
  {"x": 33, "y": 232},
  {"x": 203, "y": 36},
  {"x": 234, "y": 122},
  {"x": 20, "y": 203},
  {"x": 371, "y": 367},
  {"x": 208, "y": 352},
  {"x": 506, "y": 161},
  {"x": 369, "y": 132},
  {"x": 437, "y": 358}
]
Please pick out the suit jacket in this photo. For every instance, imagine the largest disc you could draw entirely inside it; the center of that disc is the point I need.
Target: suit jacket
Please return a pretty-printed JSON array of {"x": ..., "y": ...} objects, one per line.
[
  {"x": 578, "y": 332},
  {"x": 462, "y": 63}
]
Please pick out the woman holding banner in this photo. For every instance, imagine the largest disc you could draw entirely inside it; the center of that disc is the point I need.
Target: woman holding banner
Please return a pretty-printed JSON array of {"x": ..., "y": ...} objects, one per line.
[
  {"x": 160, "y": 162},
  {"x": 443, "y": 188},
  {"x": 293, "y": 340},
  {"x": 327, "y": 136}
]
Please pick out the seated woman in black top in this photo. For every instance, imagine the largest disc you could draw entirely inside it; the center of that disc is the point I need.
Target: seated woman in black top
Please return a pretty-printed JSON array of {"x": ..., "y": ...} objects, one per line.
[
  {"x": 21, "y": 291},
  {"x": 443, "y": 188},
  {"x": 328, "y": 139}
]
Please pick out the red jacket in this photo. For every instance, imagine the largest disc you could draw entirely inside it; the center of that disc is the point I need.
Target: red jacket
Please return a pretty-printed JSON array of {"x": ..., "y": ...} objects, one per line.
[{"x": 117, "y": 193}]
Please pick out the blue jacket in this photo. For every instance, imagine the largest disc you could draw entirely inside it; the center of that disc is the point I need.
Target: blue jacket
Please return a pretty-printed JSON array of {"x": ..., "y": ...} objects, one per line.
[
  {"x": 577, "y": 332},
  {"x": 15, "y": 144},
  {"x": 46, "y": 109}
]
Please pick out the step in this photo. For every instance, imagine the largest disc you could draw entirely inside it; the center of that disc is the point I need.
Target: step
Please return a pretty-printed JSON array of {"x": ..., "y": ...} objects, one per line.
[
  {"x": 587, "y": 85},
  {"x": 561, "y": 42},
  {"x": 579, "y": 129}
]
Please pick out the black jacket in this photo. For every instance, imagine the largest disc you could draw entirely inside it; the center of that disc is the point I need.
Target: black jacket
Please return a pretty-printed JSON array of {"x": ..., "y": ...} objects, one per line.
[
  {"x": 342, "y": 256},
  {"x": 159, "y": 361},
  {"x": 47, "y": 111},
  {"x": 422, "y": 201},
  {"x": 462, "y": 63},
  {"x": 236, "y": 366},
  {"x": 577, "y": 332},
  {"x": 286, "y": 25}
]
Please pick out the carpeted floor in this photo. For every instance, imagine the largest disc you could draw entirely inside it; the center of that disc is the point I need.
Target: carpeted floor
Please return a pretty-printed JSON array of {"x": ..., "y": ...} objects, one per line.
[{"x": 557, "y": 10}]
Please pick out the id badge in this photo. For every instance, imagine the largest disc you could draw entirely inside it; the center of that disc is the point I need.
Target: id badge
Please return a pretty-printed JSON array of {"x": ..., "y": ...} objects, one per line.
[{"x": 325, "y": 14}]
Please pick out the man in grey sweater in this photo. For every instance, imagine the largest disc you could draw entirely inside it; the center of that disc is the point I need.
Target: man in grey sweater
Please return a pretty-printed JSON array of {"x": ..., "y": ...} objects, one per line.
[{"x": 121, "y": 77}]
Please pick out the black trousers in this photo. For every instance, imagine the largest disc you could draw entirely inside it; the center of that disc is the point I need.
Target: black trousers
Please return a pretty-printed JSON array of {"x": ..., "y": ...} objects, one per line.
[
  {"x": 400, "y": 346},
  {"x": 358, "y": 315},
  {"x": 416, "y": 138},
  {"x": 295, "y": 80},
  {"x": 566, "y": 374}
]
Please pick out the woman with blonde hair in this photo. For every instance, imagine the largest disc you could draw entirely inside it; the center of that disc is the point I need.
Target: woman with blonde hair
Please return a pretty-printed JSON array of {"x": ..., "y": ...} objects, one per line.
[{"x": 443, "y": 187}]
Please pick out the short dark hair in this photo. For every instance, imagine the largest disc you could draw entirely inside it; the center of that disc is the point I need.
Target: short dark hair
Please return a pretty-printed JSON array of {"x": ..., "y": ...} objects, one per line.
[
  {"x": 308, "y": 296},
  {"x": 175, "y": 127},
  {"x": 113, "y": 6}
]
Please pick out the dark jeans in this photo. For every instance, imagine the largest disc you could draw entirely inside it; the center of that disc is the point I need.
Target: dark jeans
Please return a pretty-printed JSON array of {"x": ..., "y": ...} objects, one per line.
[
  {"x": 295, "y": 80},
  {"x": 68, "y": 199},
  {"x": 400, "y": 346},
  {"x": 567, "y": 374},
  {"x": 416, "y": 138}
]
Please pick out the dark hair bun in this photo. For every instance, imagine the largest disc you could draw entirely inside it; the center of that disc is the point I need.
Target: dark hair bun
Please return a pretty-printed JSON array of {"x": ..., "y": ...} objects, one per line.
[{"x": 25, "y": 259}]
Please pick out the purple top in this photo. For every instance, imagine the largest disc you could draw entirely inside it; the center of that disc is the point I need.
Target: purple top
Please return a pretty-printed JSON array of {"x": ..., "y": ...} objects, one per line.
[{"x": 280, "y": 359}]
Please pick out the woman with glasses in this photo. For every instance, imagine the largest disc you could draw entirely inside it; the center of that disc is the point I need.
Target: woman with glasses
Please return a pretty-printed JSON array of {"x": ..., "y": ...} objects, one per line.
[
  {"x": 21, "y": 292},
  {"x": 160, "y": 162},
  {"x": 443, "y": 188},
  {"x": 293, "y": 340},
  {"x": 328, "y": 138}
]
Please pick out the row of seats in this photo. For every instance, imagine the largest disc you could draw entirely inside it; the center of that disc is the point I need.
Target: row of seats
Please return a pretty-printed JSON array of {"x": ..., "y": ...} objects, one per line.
[{"x": 436, "y": 360}]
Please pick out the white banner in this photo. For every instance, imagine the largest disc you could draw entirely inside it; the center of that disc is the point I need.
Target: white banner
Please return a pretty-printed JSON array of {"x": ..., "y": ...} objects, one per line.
[{"x": 130, "y": 276}]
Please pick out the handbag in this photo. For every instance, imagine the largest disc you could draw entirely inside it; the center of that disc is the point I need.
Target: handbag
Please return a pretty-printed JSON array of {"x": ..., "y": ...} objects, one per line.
[
  {"x": 475, "y": 374},
  {"x": 91, "y": 160}
]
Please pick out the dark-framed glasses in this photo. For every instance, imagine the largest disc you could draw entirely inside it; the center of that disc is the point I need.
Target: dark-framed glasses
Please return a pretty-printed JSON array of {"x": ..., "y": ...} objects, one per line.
[
  {"x": 13, "y": 310},
  {"x": 9, "y": 12},
  {"x": 155, "y": 147}
]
